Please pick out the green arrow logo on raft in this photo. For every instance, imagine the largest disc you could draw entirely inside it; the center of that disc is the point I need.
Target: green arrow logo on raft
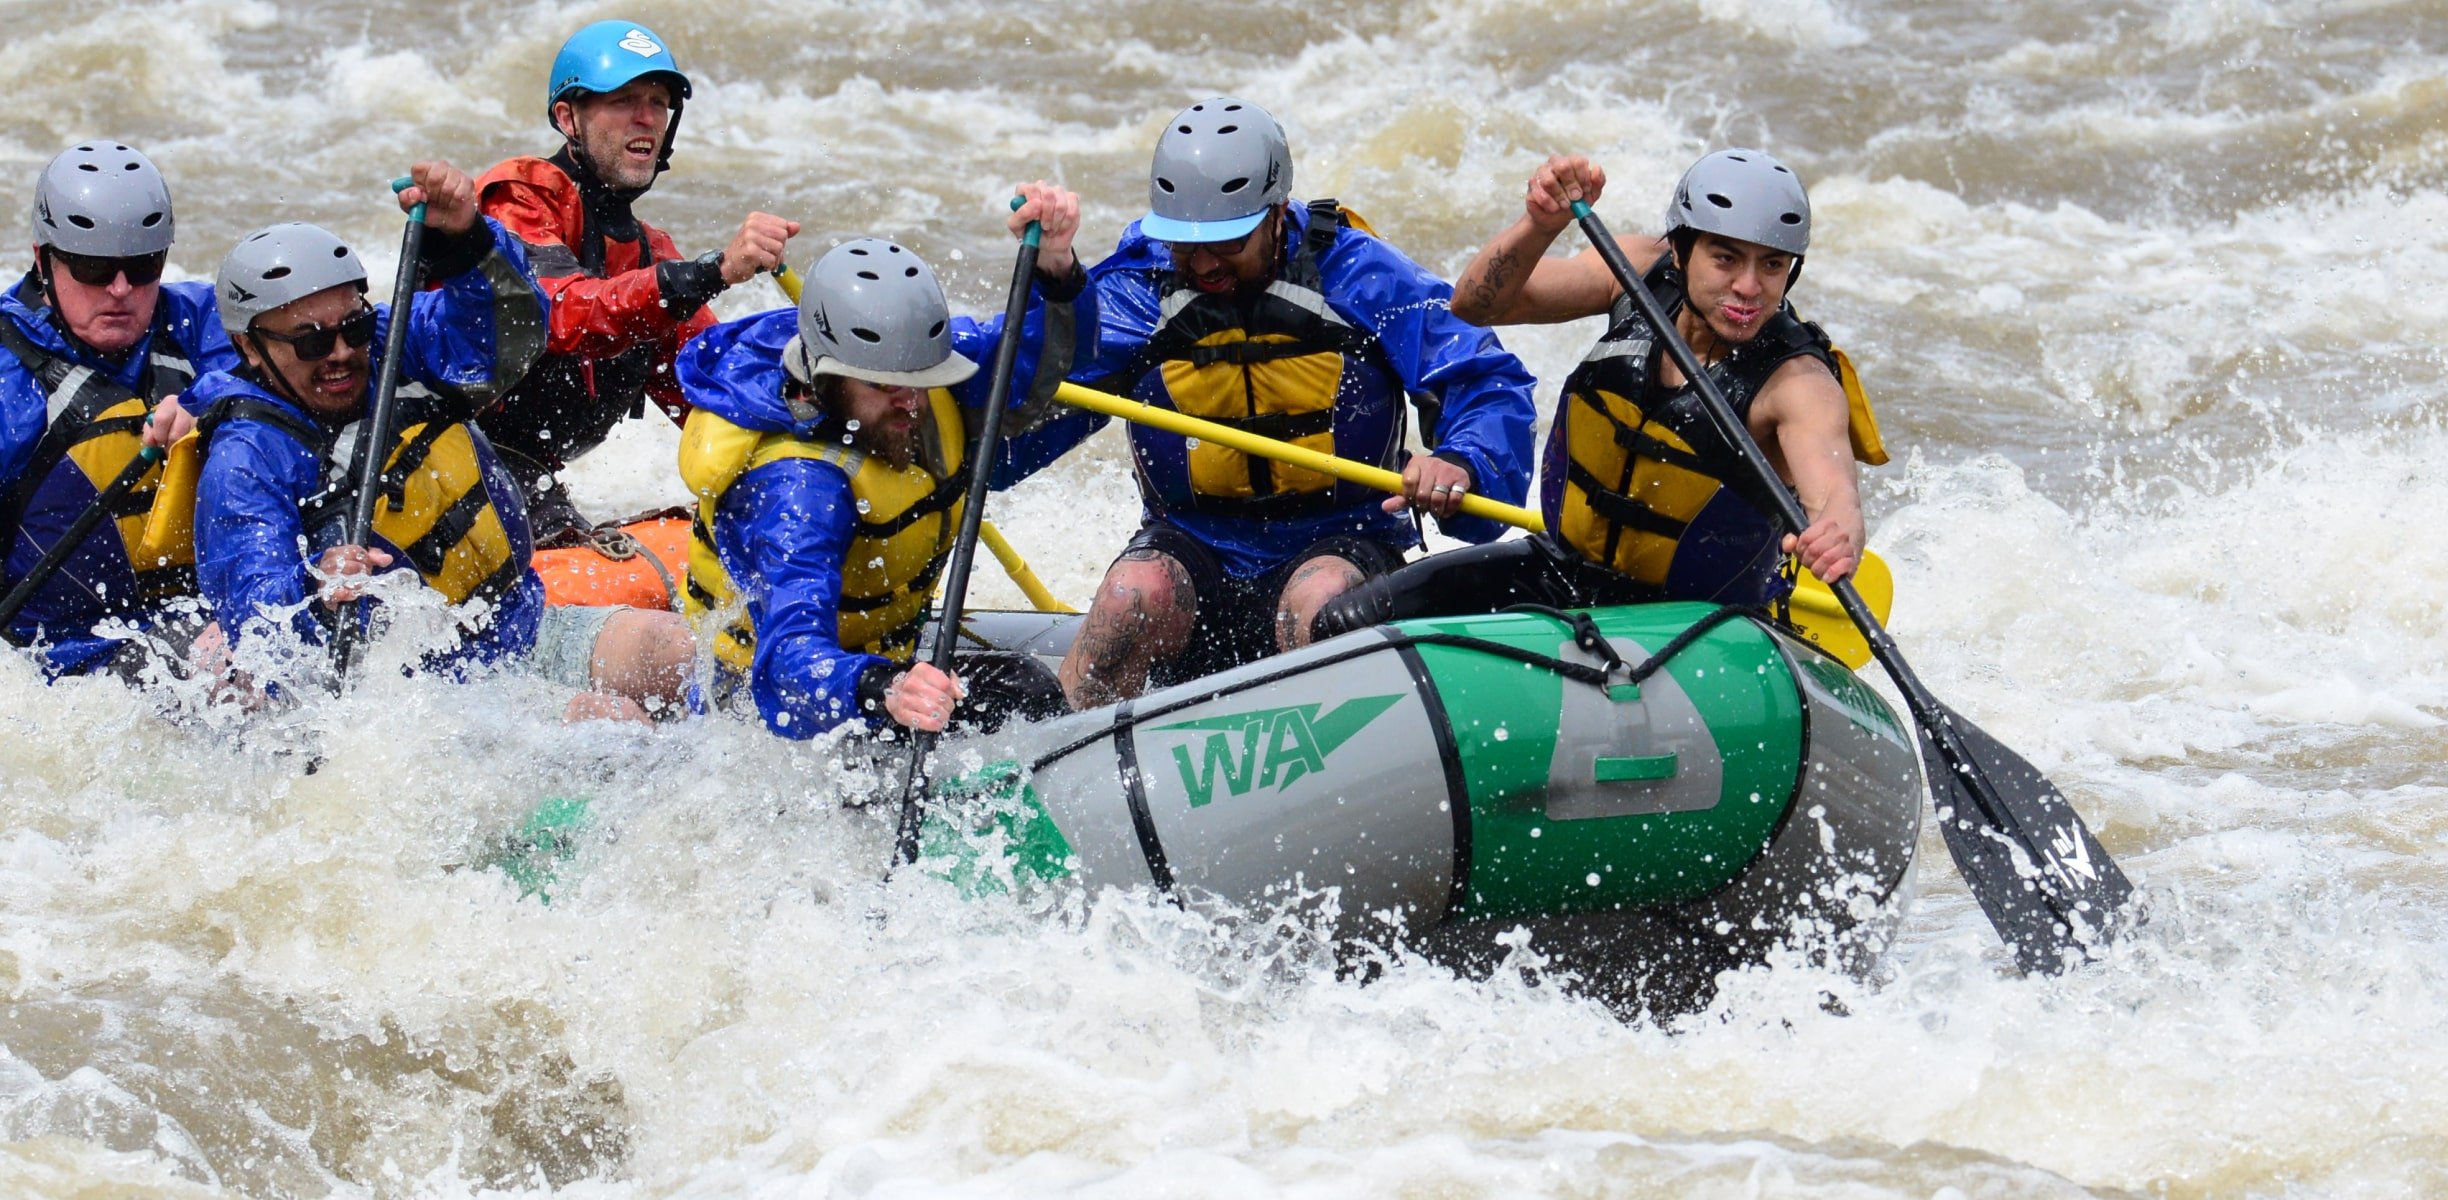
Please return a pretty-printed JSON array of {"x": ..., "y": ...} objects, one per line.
[{"x": 1267, "y": 747}]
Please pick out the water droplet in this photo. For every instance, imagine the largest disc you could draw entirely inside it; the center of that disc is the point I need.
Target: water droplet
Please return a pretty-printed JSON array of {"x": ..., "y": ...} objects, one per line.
[
  {"x": 851, "y": 424},
  {"x": 1192, "y": 443},
  {"x": 1503, "y": 734},
  {"x": 1536, "y": 831},
  {"x": 1593, "y": 879},
  {"x": 863, "y": 505}
]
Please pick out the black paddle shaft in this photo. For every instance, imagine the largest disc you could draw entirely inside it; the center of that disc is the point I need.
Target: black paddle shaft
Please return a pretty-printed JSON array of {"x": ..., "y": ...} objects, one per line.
[
  {"x": 77, "y": 531},
  {"x": 2039, "y": 874},
  {"x": 973, "y": 511},
  {"x": 374, "y": 429}
]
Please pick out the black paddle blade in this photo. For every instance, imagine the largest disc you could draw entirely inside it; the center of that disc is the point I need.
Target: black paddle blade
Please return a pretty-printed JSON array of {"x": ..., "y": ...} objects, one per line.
[{"x": 2048, "y": 887}]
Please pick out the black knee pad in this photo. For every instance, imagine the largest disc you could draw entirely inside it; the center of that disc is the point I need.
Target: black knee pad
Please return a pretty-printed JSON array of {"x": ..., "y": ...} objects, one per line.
[{"x": 1366, "y": 605}]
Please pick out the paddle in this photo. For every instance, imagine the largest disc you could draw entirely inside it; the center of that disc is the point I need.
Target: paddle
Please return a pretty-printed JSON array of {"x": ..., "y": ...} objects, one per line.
[
  {"x": 74, "y": 537},
  {"x": 973, "y": 512},
  {"x": 1038, "y": 594},
  {"x": 2038, "y": 873},
  {"x": 374, "y": 430}
]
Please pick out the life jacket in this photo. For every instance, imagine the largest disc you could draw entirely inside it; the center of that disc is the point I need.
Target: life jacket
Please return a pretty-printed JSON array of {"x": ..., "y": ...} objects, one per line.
[
  {"x": 439, "y": 512},
  {"x": 1281, "y": 363},
  {"x": 906, "y": 520},
  {"x": 1648, "y": 487},
  {"x": 96, "y": 429},
  {"x": 567, "y": 404}
]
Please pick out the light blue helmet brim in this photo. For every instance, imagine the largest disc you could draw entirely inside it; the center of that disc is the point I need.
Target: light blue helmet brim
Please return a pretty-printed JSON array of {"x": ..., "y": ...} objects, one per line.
[{"x": 1166, "y": 229}]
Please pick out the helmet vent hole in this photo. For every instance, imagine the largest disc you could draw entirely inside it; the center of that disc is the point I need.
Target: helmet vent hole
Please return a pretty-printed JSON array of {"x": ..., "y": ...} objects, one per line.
[
  {"x": 1790, "y": 218},
  {"x": 277, "y": 273},
  {"x": 1182, "y": 129},
  {"x": 860, "y": 251},
  {"x": 1236, "y": 185},
  {"x": 1738, "y": 158},
  {"x": 130, "y": 167},
  {"x": 909, "y": 273},
  {"x": 80, "y": 221},
  {"x": 1228, "y": 129},
  {"x": 152, "y": 219},
  {"x": 1231, "y": 108},
  {"x": 1781, "y": 170},
  {"x": 869, "y": 336},
  {"x": 1165, "y": 183},
  {"x": 871, "y": 275},
  {"x": 89, "y": 167},
  {"x": 1719, "y": 201},
  {"x": 936, "y": 331}
]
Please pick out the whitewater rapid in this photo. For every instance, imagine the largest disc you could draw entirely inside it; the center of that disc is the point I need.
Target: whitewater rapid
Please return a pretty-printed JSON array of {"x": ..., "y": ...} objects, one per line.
[{"x": 2147, "y": 302}]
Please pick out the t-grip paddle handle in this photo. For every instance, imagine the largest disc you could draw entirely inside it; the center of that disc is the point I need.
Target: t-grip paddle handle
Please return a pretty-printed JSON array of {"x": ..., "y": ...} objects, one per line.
[{"x": 416, "y": 212}]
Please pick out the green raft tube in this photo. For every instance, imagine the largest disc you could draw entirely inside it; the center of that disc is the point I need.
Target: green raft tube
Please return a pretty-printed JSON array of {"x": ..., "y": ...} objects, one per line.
[{"x": 1656, "y": 792}]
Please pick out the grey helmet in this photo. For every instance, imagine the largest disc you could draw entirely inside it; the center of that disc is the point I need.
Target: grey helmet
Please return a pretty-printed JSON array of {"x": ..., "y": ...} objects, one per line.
[
  {"x": 1745, "y": 195},
  {"x": 1220, "y": 166},
  {"x": 102, "y": 199},
  {"x": 273, "y": 266},
  {"x": 872, "y": 311}
]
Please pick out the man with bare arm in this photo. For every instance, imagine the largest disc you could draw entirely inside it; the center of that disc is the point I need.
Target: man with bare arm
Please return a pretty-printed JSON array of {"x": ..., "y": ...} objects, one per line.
[{"x": 1643, "y": 499}]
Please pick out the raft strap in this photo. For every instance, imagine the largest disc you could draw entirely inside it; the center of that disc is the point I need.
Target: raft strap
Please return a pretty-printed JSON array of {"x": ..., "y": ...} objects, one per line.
[{"x": 1597, "y": 677}]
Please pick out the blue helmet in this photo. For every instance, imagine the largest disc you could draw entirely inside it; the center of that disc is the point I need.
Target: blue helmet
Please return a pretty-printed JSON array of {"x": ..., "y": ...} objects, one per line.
[{"x": 605, "y": 56}]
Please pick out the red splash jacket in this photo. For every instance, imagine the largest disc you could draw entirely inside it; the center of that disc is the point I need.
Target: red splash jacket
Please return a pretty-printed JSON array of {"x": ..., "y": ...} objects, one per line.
[{"x": 623, "y": 304}]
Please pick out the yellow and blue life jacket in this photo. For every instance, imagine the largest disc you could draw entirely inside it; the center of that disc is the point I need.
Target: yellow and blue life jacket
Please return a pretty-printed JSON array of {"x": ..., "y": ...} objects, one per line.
[
  {"x": 1280, "y": 363},
  {"x": 1637, "y": 479},
  {"x": 96, "y": 429},
  {"x": 440, "y": 511},
  {"x": 907, "y": 517}
]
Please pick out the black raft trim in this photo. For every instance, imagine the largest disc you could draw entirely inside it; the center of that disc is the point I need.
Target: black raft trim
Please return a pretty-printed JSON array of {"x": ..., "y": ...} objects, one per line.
[
  {"x": 1457, "y": 787},
  {"x": 1134, "y": 792}
]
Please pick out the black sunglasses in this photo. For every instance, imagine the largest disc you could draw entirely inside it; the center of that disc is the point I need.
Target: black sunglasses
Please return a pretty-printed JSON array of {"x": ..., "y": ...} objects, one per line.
[
  {"x": 314, "y": 343},
  {"x": 95, "y": 271}
]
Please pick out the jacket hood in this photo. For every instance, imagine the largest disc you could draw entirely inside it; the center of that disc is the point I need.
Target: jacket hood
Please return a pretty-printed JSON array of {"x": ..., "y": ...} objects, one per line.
[{"x": 734, "y": 371}]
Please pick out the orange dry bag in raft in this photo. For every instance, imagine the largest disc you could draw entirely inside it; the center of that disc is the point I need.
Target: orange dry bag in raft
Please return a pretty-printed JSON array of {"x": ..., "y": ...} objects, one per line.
[{"x": 640, "y": 563}]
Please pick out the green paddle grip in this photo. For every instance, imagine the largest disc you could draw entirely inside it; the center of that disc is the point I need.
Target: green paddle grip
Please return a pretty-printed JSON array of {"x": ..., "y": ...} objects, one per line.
[
  {"x": 401, "y": 184},
  {"x": 1032, "y": 236}
]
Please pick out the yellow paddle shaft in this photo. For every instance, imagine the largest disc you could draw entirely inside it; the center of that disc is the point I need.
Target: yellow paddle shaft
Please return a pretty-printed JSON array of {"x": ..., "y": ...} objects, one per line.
[
  {"x": 1344, "y": 469},
  {"x": 1814, "y": 607},
  {"x": 1018, "y": 569}
]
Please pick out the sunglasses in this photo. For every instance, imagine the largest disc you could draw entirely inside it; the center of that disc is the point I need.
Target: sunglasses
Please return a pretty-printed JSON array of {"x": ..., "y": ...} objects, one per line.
[
  {"x": 314, "y": 343},
  {"x": 95, "y": 271}
]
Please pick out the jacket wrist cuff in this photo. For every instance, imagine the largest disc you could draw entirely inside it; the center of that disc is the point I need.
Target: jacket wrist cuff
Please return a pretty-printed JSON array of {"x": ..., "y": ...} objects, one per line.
[
  {"x": 450, "y": 255},
  {"x": 873, "y": 682},
  {"x": 1456, "y": 458},
  {"x": 1067, "y": 287},
  {"x": 689, "y": 284}
]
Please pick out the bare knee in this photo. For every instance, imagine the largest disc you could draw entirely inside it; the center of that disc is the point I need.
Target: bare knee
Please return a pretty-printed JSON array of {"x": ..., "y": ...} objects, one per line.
[
  {"x": 1143, "y": 613},
  {"x": 644, "y": 655},
  {"x": 1311, "y": 586}
]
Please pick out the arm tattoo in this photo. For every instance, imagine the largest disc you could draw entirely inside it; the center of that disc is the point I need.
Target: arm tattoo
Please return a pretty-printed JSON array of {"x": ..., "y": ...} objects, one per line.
[{"x": 1494, "y": 280}]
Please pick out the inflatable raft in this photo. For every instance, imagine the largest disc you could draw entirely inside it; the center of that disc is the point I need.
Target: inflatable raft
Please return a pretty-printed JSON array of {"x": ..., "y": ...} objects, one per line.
[{"x": 1655, "y": 792}]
